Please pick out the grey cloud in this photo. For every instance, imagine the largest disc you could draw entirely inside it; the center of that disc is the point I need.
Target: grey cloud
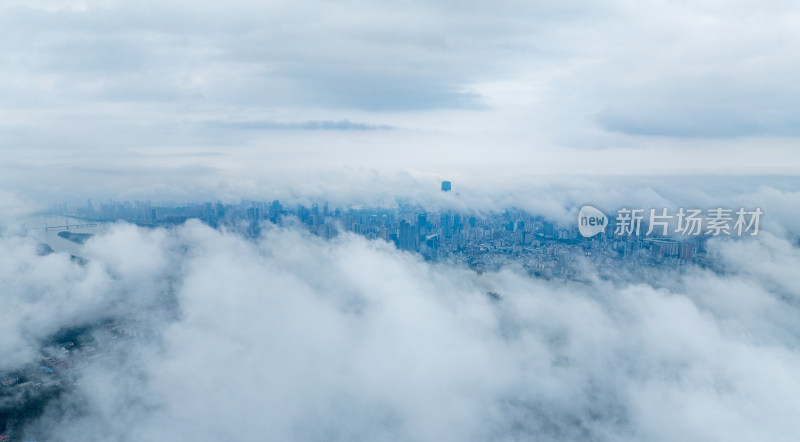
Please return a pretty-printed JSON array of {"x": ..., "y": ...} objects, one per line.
[
  {"x": 667, "y": 111},
  {"x": 669, "y": 70},
  {"x": 241, "y": 56},
  {"x": 382, "y": 91},
  {"x": 300, "y": 125},
  {"x": 689, "y": 123}
]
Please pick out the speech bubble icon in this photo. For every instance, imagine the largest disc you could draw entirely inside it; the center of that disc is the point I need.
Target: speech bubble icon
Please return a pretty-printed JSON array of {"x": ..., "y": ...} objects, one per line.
[{"x": 591, "y": 221}]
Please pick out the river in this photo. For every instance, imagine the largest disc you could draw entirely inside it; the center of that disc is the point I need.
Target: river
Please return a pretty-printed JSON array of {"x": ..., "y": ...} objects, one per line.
[{"x": 36, "y": 227}]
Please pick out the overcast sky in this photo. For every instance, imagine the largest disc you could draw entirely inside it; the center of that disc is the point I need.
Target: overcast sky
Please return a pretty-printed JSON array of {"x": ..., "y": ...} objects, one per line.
[
  {"x": 537, "y": 105},
  {"x": 198, "y": 99}
]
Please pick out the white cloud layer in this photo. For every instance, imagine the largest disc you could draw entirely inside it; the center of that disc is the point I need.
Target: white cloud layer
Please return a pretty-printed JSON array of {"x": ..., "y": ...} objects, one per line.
[{"x": 296, "y": 338}]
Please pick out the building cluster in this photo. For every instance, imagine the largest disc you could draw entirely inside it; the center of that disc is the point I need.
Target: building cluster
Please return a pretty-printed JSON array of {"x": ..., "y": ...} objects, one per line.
[{"x": 480, "y": 240}]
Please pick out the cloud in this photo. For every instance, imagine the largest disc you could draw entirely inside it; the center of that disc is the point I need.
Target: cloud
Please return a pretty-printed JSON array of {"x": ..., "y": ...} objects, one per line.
[
  {"x": 292, "y": 337},
  {"x": 12, "y": 209},
  {"x": 115, "y": 100},
  {"x": 699, "y": 70},
  {"x": 238, "y": 54},
  {"x": 300, "y": 125}
]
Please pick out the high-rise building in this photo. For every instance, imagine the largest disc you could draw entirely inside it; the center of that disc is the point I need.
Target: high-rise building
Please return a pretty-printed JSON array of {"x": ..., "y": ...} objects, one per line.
[
  {"x": 274, "y": 212},
  {"x": 407, "y": 238},
  {"x": 686, "y": 251}
]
